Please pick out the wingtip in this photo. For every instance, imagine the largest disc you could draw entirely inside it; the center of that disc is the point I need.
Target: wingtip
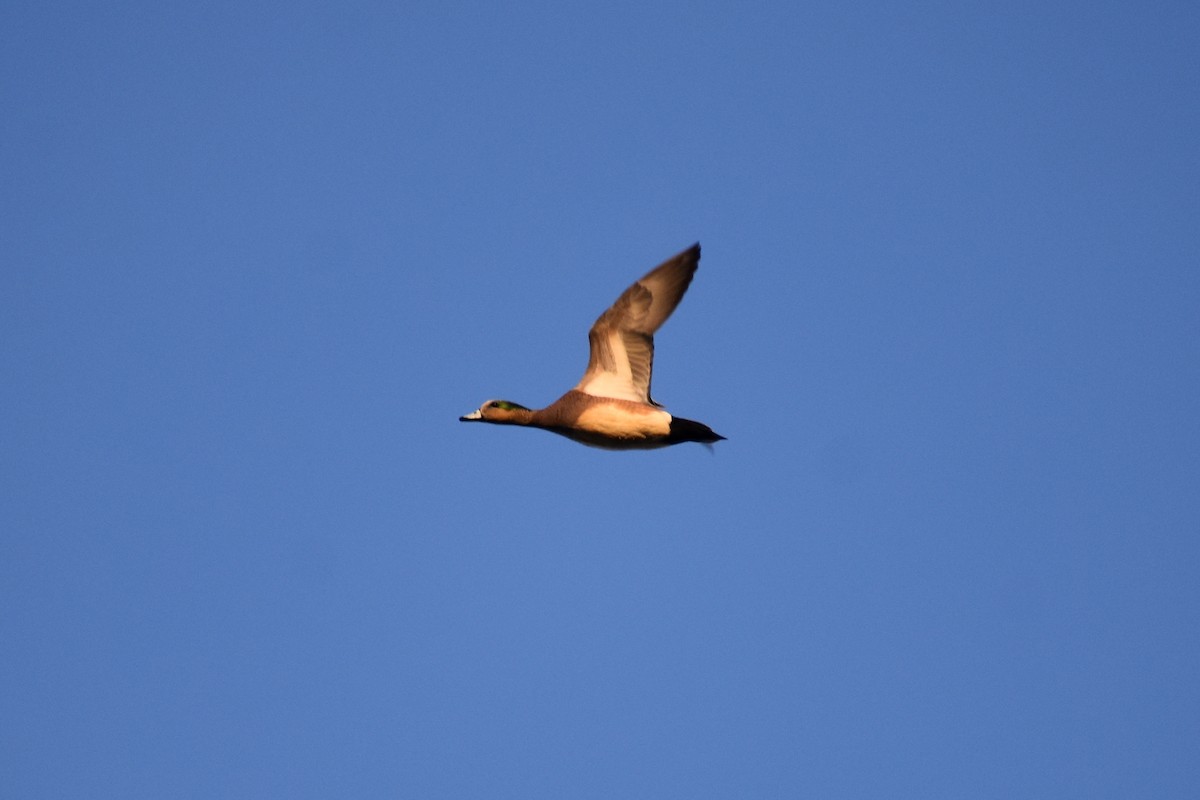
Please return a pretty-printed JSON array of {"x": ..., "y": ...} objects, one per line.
[
  {"x": 692, "y": 250},
  {"x": 688, "y": 255}
]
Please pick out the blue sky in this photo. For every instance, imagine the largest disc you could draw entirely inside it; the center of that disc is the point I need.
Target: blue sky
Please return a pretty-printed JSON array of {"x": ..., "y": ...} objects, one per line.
[{"x": 258, "y": 259}]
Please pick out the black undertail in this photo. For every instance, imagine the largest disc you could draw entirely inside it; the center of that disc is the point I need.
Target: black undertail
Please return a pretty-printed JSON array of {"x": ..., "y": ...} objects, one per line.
[{"x": 687, "y": 430}]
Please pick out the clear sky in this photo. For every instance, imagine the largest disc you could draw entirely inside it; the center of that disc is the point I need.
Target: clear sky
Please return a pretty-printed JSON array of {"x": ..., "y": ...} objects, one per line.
[{"x": 257, "y": 259}]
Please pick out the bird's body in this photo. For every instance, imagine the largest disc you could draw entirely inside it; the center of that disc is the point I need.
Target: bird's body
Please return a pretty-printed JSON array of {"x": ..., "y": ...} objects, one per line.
[{"x": 611, "y": 406}]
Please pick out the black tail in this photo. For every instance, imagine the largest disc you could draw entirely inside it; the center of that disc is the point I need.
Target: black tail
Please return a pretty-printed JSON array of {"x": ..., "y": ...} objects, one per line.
[{"x": 686, "y": 430}]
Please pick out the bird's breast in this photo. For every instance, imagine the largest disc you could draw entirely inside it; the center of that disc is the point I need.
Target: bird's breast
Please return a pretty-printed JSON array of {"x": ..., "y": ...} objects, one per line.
[{"x": 625, "y": 420}]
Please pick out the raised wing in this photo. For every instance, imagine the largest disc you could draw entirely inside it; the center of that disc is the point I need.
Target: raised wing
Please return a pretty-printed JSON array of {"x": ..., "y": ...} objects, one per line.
[{"x": 622, "y": 340}]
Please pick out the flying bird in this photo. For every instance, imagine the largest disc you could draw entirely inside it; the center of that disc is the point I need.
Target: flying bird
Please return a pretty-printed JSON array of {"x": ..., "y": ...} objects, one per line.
[{"x": 611, "y": 407}]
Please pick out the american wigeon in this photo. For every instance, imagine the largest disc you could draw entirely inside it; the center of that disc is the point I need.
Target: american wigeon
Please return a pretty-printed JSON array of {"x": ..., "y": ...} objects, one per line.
[{"x": 611, "y": 407}]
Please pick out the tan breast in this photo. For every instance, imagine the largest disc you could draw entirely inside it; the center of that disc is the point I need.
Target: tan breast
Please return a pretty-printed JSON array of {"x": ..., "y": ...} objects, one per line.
[{"x": 625, "y": 420}]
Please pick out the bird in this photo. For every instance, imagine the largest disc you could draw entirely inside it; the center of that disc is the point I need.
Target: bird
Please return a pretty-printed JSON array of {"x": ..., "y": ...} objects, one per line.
[{"x": 611, "y": 407}]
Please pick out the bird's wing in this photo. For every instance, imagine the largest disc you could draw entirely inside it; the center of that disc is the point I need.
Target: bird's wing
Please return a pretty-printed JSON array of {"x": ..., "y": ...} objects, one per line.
[{"x": 622, "y": 340}]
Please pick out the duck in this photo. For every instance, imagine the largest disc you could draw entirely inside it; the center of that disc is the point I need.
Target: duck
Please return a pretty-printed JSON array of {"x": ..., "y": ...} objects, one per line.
[{"x": 611, "y": 407}]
